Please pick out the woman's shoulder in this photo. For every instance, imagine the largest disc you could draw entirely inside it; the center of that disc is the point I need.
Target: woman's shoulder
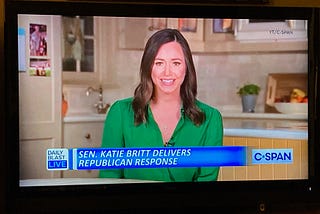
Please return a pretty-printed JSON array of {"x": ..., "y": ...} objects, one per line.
[
  {"x": 122, "y": 103},
  {"x": 206, "y": 107}
]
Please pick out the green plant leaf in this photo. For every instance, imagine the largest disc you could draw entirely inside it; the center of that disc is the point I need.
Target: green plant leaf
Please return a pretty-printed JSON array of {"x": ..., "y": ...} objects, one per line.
[{"x": 249, "y": 88}]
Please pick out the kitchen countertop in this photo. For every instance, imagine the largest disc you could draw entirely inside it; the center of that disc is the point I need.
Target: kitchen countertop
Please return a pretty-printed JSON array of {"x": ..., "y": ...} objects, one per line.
[
  {"x": 266, "y": 125},
  {"x": 266, "y": 128},
  {"x": 261, "y": 115},
  {"x": 91, "y": 117},
  {"x": 84, "y": 117}
]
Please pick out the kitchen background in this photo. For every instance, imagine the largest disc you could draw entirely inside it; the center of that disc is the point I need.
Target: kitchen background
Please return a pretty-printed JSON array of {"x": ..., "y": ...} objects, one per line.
[
  {"x": 223, "y": 63},
  {"x": 219, "y": 75}
]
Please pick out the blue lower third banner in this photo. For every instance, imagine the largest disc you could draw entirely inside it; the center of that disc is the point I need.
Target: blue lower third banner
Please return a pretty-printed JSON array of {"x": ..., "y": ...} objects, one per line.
[
  {"x": 106, "y": 158},
  {"x": 94, "y": 158}
]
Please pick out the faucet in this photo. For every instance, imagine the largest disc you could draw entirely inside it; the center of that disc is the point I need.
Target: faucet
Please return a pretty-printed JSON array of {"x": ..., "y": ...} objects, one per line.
[{"x": 100, "y": 106}]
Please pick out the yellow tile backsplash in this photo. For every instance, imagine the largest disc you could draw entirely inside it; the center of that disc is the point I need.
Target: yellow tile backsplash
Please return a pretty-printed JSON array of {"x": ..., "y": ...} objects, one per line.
[{"x": 297, "y": 170}]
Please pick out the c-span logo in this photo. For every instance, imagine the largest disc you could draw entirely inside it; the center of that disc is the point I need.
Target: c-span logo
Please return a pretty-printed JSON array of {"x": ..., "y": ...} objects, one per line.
[
  {"x": 57, "y": 159},
  {"x": 272, "y": 156}
]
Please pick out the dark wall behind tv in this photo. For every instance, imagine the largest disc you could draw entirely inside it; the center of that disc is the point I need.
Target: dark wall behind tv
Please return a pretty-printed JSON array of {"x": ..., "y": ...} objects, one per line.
[
  {"x": 294, "y": 209},
  {"x": 2, "y": 113}
]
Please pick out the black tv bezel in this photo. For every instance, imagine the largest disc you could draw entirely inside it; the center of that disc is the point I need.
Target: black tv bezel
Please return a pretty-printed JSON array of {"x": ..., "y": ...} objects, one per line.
[{"x": 235, "y": 195}]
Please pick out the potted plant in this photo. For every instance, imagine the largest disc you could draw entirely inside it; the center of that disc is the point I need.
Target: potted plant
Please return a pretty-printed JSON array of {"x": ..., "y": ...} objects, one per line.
[{"x": 249, "y": 93}]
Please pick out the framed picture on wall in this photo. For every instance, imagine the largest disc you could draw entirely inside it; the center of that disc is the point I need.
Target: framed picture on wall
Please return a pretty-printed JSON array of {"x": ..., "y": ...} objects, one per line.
[
  {"x": 40, "y": 67},
  {"x": 38, "y": 40},
  {"x": 222, "y": 26},
  {"x": 187, "y": 25},
  {"x": 158, "y": 24}
]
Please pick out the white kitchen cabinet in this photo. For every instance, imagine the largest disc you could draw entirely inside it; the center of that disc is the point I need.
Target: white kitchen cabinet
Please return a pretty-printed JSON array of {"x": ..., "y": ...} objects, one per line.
[
  {"x": 79, "y": 49},
  {"x": 99, "y": 59},
  {"x": 82, "y": 135},
  {"x": 232, "y": 42}
]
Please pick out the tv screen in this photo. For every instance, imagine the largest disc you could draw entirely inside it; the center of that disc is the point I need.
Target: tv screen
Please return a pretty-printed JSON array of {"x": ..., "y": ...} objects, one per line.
[{"x": 115, "y": 104}]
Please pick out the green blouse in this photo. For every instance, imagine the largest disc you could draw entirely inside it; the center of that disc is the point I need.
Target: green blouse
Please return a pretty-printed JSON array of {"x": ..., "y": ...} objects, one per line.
[{"x": 120, "y": 131}]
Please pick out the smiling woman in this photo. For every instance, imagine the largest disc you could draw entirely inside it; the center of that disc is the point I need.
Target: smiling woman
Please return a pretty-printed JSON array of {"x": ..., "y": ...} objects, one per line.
[
  {"x": 167, "y": 74},
  {"x": 168, "y": 70},
  {"x": 164, "y": 112}
]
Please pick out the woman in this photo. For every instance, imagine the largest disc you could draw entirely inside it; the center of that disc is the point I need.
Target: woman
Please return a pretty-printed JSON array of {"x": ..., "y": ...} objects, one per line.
[{"x": 164, "y": 112}]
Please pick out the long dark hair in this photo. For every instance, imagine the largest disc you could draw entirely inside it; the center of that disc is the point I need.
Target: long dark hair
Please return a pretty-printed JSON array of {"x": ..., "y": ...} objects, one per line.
[{"x": 145, "y": 90}]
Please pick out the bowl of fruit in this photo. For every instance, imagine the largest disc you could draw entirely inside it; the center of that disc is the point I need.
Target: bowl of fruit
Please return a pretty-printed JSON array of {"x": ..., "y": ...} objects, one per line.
[{"x": 297, "y": 103}]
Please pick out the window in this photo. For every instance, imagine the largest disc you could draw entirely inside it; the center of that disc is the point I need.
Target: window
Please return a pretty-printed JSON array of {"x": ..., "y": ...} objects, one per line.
[{"x": 78, "y": 44}]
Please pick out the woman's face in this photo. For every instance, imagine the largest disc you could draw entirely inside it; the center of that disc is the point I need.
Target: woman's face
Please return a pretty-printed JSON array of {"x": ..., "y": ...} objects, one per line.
[{"x": 169, "y": 69}]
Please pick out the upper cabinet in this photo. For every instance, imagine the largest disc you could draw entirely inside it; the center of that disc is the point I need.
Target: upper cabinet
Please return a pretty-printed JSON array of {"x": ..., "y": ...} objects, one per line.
[
  {"x": 219, "y": 35},
  {"x": 78, "y": 48},
  {"x": 88, "y": 42},
  {"x": 271, "y": 30},
  {"x": 78, "y": 38}
]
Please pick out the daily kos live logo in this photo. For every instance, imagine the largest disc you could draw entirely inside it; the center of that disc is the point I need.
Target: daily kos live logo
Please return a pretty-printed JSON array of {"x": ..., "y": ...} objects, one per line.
[{"x": 271, "y": 156}]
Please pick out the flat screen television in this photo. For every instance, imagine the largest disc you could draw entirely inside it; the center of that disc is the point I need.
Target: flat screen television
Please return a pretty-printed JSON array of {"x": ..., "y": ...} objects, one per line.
[{"x": 58, "y": 55}]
